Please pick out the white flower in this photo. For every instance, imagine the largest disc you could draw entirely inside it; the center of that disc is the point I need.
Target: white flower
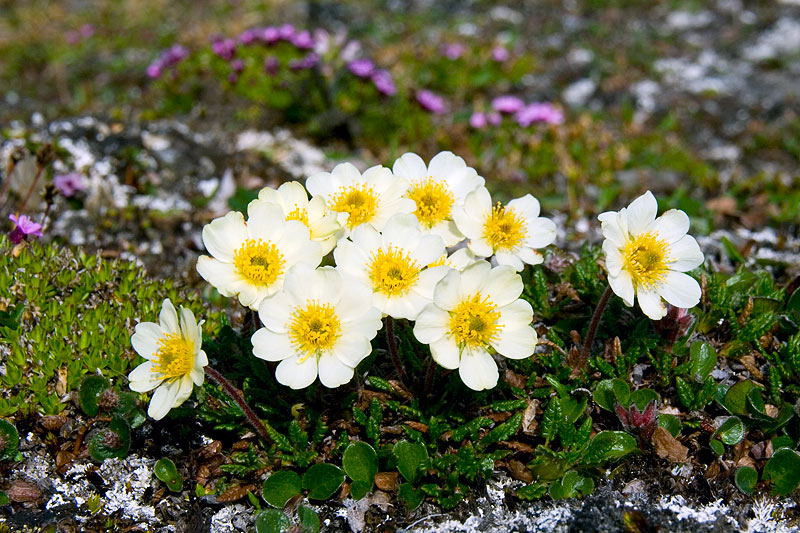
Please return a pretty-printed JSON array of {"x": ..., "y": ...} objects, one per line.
[
  {"x": 393, "y": 264},
  {"x": 436, "y": 189},
  {"x": 174, "y": 359},
  {"x": 460, "y": 259},
  {"x": 293, "y": 199},
  {"x": 511, "y": 233},
  {"x": 473, "y": 311},
  {"x": 250, "y": 259},
  {"x": 319, "y": 324},
  {"x": 370, "y": 198},
  {"x": 647, "y": 256}
]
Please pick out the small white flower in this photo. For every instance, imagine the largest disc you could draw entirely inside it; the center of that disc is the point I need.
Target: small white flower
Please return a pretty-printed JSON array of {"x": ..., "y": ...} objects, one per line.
[
  {"x": 174, "y": 359},
  {"x": 370, "y": 198},
  {"x": 250, "y": 259},
  {"x": 319, "y": 324},
  {"x": 293, "y": 199},
  {"x": 472, "y": 312},
  {"x": 511, "y": 233},
  {"x": 459, "y": 259},
  {"x": 437, "y": 189},
  {"x": 647, "y": 256},
  {"x": 393, "y": 264}
]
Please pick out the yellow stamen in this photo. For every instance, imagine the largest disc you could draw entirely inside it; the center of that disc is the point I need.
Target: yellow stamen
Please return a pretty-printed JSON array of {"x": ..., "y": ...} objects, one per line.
[
  {"x": 314, "y": 329},
  {"x": 504, "y": 230},
  {"x": 439, "y": 262},
  {"x": 434, "y": 201},
  {"x": 298, "y": 214},
  {"x": 258, "y": 261},
  {"x": 474, "y": 322},
  {"x": 392, "y": 271},
  {"x": 359, "y": 201},
  {"x": 645, "y": 258},
  {"x": 174, "y": 358}
]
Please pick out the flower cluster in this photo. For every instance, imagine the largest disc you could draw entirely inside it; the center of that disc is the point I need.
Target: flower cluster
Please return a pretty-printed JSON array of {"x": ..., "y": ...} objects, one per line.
[
  {"x": 421, "y": 241},
  {"x": 523, "y": 114}
]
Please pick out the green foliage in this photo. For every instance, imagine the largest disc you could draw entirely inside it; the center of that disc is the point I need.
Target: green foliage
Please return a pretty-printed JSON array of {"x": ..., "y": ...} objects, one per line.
[
  {"x": 9, "y": 440},
  {"x": 75, "y": 314},
  {"x": 91, "y": 388},
  {"x": 322, "y": 480},
  {"x": 746, "y": 478},
  {"x": 731, "y": 431},
  {"x": 165, "y": 470},
  {"x": 280, "y": 487},
  {"x": 360, "y": 463},
  {"x": 783, "y": 469},
  {"x": 111, "y": 442},
  {"x": 571, "y": 486},
  {"x": 272, "y": 521},
  {"x": 412, "y": 459}
]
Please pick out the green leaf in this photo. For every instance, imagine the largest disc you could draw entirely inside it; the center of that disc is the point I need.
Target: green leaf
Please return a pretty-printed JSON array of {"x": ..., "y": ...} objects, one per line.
[
  {"x": 309, "y": 521},
  {"x": 241, "y": 198},
  {"x": 608, "y": 445},
  {"x": 91, "y": 388},
  {"x": 703, "y": 359},
  {"x": 10, "y": 318},
  {"x": 280, "y": 487},
  {"x": 111, "y": 443},
  {"x": 272, "y": 521},
  {"x": 736, "y": 398},
  {"x": 380, "y": 384},
  {"x": 685, "y": 392},
  {"x": 643, "y": 397},
  {"x": 322, "y": 480},
  {"x": 609, "y": 392},
  {"x": 746, "y": 479},
  {"x": 411, "y": 497},
  {"x": 534, "y": 491},
  {"x": 10, "y": 439},
  {"x": 783, "y": 441},
  {"x": 3, "y": 498},
  {"x": 412, "y": 459},
  {"x": 671, "y": 423},
  {"x": 502, "y": 432},
  {"x": 731, "y": 250},
  {"x": 716, "y": 446},
  {"x": 783, "y": 469},
  {"x": 731, "y": 431},
  {"x": 166, "y": 471},
  {"x": 360, "y": 462}
]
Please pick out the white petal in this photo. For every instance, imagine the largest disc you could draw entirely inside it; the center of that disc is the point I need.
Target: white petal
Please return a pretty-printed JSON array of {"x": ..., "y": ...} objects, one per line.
[
  {"x": 276, "y": 311},
  {"x": 510, "y": 260},
  {"x": 410, "y": 166},
  {"x": 530, "y": 256},
  {"x": 332, "y": 372},
  {"x": 297, "y": 375},
  {"x": 651, "y": 304},
  {"x": 613, "y": 258},
  {"x": 428, "y": 249},
  {"x": 356, "y": 304},
  {"x": 431, "y": 324},
  {"x": 351, "y": 349},
  {"x": 468, "y": 223},
  {"x": 186, "y": 386},
  {"x": 321, "y": 185},
  {"x": 444, "y": 164},
  {"x": 478, "y": 370},
  {"x": 641, "y": 213},
  {"x": 189, "y": 329},
  {"x": 143, "y": 379},
  {"x": 428, "y": 279},
  {"x": 541, "y": 232},
  {"x": 612, "y": 229},
  {"x": 446, "y": 293},
  {"x": 622, "y": 285},
  {"x": 266, "y": 222},
  {"x": 503, "y": 285},
  {"x": 223, "y": 276},
  {"x": 517, "y": 314},
  {"x": 272, "y": 346},
  {"x": 480, "y": 247},
  {"x": 516, "y": 342},
  {"x": 163, "y": 400},
  {"x": 445, "y": 352},
  {"x": 672, "y": 225},
  {"x": 168, "y": 318},
  {"x": 527, "y": 206},
  {"x": 145, "y": 338},
  {"x": 222, "y": 236},
  {"x": 681, "y": 290},
  {"x": 474, "y": 277},
  {"x": 685, "y": 254}
]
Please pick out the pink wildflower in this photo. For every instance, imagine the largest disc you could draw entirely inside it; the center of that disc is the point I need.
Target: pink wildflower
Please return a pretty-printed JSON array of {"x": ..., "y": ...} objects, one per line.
[{"x": 24, "y": 226}]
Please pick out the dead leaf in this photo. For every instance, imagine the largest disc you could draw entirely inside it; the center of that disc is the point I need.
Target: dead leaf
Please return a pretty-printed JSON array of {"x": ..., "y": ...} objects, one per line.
[
  {"x": 529, "y": 423},
  {"x": 23, "y": 492},
  {"x": 519, "y": 471},
  {"x": 61, "y": 381},
  {"x": 386, "y": 481},
  {"x": 668, "y": 447},
  {"x": 749, "y": 362},
  {"x": 514, "y": 379},
  {"x": 417, "y": 426},
  {"x": 235, "y": 493}
]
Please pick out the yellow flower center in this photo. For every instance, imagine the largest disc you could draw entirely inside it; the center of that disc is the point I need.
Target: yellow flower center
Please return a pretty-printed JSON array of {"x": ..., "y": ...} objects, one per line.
[
  {"x": 314, "y": 329},
  {"x": 645, "y": 258},
  {"x": 258, "y": 261},
  {"x": 434, "y": 201},
  {"x": 474, "y": 322},
  {"x": 174, "y": 358},
  {"x": 504, "y": 229},
  {"x": 439, "y": 262},
  {"x": 392, "y": 271},
  {"x": 359, "y": 201},
  {"x": 298, "y": 214}
]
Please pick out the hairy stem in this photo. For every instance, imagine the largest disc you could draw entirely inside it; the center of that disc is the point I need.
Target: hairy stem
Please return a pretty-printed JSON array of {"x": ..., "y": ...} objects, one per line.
[
  {"x": 237, "y": 397},
  {"x": 391, "y": 341},
  {"x": 31, "y": 189},
  {"x": 598, "y": 314}
]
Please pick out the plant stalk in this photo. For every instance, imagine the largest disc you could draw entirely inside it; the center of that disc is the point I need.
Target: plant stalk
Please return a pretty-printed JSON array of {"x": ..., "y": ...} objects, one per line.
[
  {"x": 391, "y": 342},
  {"x": 598, "y": 314},
  {"x": 237, "y": 397},
  {"x": 31, "y": 189}
]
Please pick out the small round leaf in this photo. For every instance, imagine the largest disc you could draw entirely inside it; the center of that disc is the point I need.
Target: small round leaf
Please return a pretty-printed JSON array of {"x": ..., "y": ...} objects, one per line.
[
  {"x": 309, "y": 521},
  {"x": 272, "y": 521},
  {"x": 746, "y": 479},
  {"x": 92, "y": 387},
  {"x": 412, "y": 458},
  {"x": 322, "y": 480},
  {"x": 166, "y": 471},
  {"x": 783, "y": 468},
  {"x": 731, "y": 431},
  {"x": 113, "y": 442},
  {"x": 9, "y": 440},
  {"x": 280, "y": 487},
  {"x": 360, "y": 462}
]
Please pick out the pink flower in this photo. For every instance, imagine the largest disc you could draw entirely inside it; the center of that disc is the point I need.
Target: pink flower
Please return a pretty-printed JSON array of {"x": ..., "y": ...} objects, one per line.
[
  {"x": 270, "y": 35},
  {"x": 495, "y": 119},
  {"x": 500, "y": 54},
  {"x": 384, "y": 83},
  {"x": 539, "y": 112},
  {"x": 24, "y": 226},
  {"x": 453, "y": 50},
  {"x": 507, "y": 104},
  {"x": 248, "y": 37},
  {"x": 286, "y": 32},
  {"x": 431, "y": 101},
  {"x": 307, "y": 62},
  {"x": 87, "y": 30},
  {"x": 237, "y": 65},
  {"x": 224, "y": 48},
  {"x": 478, "y": 120},
  {"x": 272, "y": 64},
  {"x": 363, "y": 68},
  {"x": 69, "y": 184},
  {"x": 303, "y": 40},
  {"x": 154, "y": 69}
]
